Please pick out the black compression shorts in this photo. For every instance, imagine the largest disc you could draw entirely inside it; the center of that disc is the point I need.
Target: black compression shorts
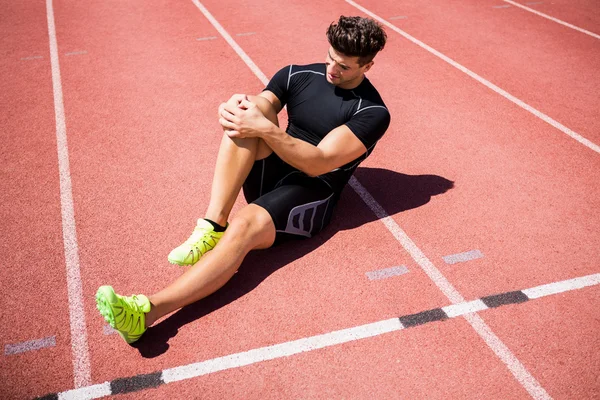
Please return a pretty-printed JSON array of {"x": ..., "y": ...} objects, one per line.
[{"x": 299, "y": 205}]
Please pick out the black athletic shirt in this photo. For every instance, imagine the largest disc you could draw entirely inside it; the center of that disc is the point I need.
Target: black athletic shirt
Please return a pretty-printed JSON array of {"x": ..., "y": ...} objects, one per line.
[{"x": 315, "y": 107}]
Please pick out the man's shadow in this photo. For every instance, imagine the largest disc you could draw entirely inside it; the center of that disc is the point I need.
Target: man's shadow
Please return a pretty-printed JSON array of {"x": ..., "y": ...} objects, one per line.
[{"x": 395, "y": 192}]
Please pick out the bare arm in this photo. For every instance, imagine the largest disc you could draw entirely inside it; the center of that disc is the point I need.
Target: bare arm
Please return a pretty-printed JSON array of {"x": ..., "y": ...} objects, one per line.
[{"x": 338, "y": 147}]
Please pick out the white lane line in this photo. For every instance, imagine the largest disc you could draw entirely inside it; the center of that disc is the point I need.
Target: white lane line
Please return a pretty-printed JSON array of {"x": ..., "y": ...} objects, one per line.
[
  {"x": 88, "y": 392},
  {"x": 463, "y": 257},
  {"x": 232, "y": 43},
  {"x": 246, "y": 34},
  {"x": 516, "y": 368},
  {"x": 564, "y": 286},
  {"x": 483, "y": 81},
  {"x": 281, "y": 350},
  {"x": 386, "y": 273},
  {"x": 456, "y": 310},
  {"x": 207, "y": 38},
  {"x": 531, "y": 10},
  {"x": 30, "y": 345},
  {"x": 432, "y": 272},
  {"x": 502, "y": 6},
  {"x": 79, "y": 344},
  {"x": 31, "y": 58},
  {"x": 287, "y": 349},
  {"x": 399, "y": 17}
]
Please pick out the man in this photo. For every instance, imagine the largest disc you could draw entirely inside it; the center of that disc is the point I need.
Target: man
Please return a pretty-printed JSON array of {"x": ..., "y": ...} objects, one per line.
[{"x": 291, "y": 180}]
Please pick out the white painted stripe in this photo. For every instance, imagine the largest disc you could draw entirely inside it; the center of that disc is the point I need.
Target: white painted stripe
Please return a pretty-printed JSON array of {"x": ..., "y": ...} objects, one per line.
[
  {"x": 434, "y": 274},
  {"x": 280, "y": 350},
  {"x": 559, "y": 287},
  {"x": 89, "y": 392},
  {"x": 207, "y": 38},
  {"x": 29, "y": 345},
  {"x": 76, "y": 53},
  {"x": 79, "y": 345},
  {"x": 246, "y": 34},
  {"x": 456, "y": 310},
  {"x": 311, "y": 343},
  {"x": 502, "y": 6},
  {"x": 592, "y": 34},
  {"x": 516, "y": 368},
  {"x": 483, "y": 81},
  {"x": 463, "y": 257},
  {"x": 232, "y": 43},
  {"x": 399, "y": 17},
  {"x": 386, "y": 273},
  {"x": 31, "y": 58}
]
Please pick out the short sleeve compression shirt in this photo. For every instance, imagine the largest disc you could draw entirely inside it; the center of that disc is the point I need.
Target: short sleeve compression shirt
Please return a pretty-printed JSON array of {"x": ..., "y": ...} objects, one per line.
[{"x": 315, "y": 107}]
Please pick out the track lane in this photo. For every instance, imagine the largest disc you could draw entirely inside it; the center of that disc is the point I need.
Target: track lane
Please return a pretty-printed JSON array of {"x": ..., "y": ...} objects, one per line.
[
  {"x": 581, "y": 13},
  {"x": 559, "y": 77},
  {"x": 136, "y": 111},
  {"x": 558, "y": 337},
  {"x": 33, "y": 268},
  {"x": 380, "y": 367},
  {"x": 336, "y": 235},
  {"x": 540, "y": 176}
]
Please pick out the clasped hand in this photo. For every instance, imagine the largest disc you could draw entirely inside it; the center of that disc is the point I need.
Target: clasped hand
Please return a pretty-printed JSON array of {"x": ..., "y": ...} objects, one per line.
[{"x": 241, "y": 118}]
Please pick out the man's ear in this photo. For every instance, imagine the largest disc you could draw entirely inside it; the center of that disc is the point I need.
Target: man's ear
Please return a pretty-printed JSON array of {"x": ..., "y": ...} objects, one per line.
[{"x": 368, "y": 66}]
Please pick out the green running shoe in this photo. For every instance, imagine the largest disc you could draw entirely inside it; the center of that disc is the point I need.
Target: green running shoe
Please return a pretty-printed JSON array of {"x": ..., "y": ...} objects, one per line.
[
  {"x": 127, "y": 315},
  {"x": 203, "y": 239}
]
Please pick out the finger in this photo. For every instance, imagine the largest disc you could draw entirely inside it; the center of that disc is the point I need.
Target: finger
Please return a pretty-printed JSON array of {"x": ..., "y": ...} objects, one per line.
[
  {"x": 232, "y": 133},
  {"x": 233, "y": 109},
  {"x": 227, "y": 124},
  {"x": 247, "y": 103},
  {"x": 229, "y": 116}
]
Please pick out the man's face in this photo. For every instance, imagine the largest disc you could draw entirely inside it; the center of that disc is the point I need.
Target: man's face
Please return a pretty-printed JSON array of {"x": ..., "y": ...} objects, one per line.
[{"x": 344, "y": 71}]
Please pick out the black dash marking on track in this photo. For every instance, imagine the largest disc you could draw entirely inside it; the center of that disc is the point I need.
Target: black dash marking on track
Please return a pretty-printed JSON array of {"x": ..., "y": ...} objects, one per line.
[
  {"x": 136, "y": 383},
  {"x": 498, "y": 300},
  {"x": 52, "y": 396},
  {"x": 424, "y": 317}
]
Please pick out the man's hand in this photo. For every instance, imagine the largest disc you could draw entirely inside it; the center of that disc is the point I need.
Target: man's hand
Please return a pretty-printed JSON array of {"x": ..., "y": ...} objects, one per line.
[{"x": 242, "y": 119}]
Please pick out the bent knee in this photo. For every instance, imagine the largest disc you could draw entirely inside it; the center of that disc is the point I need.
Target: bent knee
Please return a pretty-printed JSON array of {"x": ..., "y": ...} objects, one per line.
[{"x": 255, "y": 225}]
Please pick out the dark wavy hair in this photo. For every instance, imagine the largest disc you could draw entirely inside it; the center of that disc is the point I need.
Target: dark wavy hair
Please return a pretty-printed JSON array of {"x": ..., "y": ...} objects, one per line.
[{"x": 357, "y": 37}]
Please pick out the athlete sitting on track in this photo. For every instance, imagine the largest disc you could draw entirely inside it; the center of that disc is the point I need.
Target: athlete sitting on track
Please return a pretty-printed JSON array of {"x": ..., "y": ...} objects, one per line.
[{"x": 291, "y": 179}]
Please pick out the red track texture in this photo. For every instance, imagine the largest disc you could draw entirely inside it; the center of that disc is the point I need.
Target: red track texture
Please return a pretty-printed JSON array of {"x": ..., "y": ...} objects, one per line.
[{"x": 460, "y": 169}]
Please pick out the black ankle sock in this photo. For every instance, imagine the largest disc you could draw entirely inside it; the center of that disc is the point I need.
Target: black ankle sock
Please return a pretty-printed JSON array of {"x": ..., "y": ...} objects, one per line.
[{"x": 217, "y": 227}]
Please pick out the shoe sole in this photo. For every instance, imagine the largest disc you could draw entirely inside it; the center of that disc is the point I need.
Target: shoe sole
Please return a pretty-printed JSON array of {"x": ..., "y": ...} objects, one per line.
[{"x": 103, "y": 305}]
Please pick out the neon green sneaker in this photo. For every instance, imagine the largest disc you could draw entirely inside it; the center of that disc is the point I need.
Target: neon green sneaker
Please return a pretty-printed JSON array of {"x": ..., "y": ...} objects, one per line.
[
  {"x": 127, "y": 315},
  {"x": 203, "y": 239}
]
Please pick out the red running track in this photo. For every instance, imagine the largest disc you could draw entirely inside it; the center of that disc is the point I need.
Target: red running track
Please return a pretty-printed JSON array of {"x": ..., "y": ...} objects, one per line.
[{"x": 140, "y": 108}]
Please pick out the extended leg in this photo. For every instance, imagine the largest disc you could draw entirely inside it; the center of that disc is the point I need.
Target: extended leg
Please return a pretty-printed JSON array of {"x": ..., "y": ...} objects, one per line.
[{"x": 252, "y": 228}]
